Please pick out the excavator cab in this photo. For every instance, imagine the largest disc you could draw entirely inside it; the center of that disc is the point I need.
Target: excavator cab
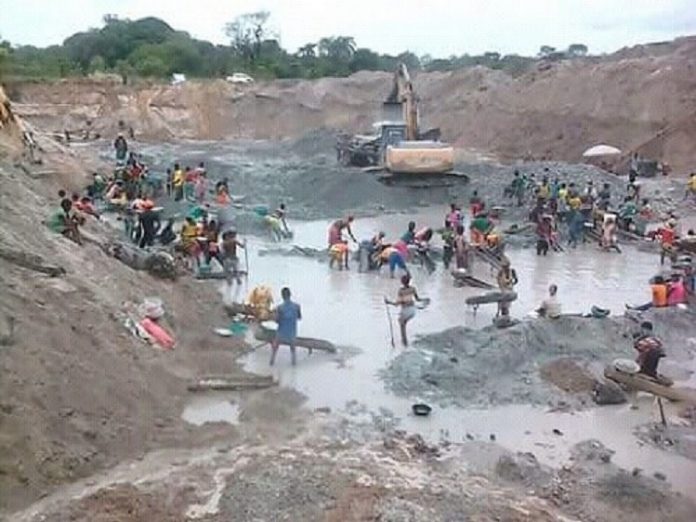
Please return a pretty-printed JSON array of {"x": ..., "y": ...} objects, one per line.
[{"x": 390, "y": 133}]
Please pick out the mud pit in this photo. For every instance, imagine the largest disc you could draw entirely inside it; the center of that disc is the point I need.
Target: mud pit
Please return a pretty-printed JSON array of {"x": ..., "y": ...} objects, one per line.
[
  {"x": 347, "y": 309},
  {"x": 369, "y": 381}
]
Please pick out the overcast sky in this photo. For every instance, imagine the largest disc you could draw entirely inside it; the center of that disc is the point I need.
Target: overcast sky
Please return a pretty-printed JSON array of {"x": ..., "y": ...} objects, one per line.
[{"x": 437, "y": 27}]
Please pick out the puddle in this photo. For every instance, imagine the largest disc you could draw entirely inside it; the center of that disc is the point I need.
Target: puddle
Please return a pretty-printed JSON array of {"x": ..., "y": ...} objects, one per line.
[
  {"x": 203, "y": 410},
  {"x": 347, "y": 308}
]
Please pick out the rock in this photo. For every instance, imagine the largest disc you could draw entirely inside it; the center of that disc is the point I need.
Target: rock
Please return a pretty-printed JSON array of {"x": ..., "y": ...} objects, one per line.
[
  {"x": 608, "y": 393},
  {"x": 517, "y": 468},
  {"x": 636, "y": 472},
  {"x": 660, "y": 476},
  {"x": 558, "y": 432},
  {"x": 492, "y": 436}
]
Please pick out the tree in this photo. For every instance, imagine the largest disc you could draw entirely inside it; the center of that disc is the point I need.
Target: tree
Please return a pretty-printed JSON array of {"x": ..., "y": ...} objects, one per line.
[
  {"x": 577, "y": 50},
  {"x": 97, "y": 64},
  {"x": 365, "y": 60},
  {"x": 246, "y": 33},
  {"x": 125, "y": 70},
  {"x": 339, "y": 48},
  {"x": 152, "y": 66},
  {"x": 546, "y": 50},
  {"x": 409, "y": 59},
  {"x": 5, "y": 50},
  {"x": 307, "y": 51}
]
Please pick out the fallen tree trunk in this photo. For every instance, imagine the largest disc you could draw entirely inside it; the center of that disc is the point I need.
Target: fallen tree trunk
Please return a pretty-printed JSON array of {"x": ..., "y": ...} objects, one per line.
[
  {"x": 641, "y": 382},
  {"x": 30, "y": 262}
]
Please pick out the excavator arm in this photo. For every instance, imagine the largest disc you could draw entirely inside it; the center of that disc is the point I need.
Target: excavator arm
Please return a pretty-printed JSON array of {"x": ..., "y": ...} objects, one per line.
[{"x": 402, "y": 92}]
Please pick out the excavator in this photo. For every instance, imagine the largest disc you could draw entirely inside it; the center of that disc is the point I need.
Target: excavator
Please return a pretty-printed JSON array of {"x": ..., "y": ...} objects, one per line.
[{"x": 397, "y": 145}]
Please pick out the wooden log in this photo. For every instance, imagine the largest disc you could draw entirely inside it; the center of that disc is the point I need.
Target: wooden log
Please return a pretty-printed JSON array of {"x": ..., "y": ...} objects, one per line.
[
  {"x": 263, "y": 333},
  {"x": 642, "y": 382},
  {"x": 230, "y": 384},
  {"x": 491, "y": 297}
]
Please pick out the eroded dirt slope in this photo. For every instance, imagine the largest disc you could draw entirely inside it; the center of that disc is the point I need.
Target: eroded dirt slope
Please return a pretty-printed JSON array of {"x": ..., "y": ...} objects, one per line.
[{"x": 78, "y": 392}]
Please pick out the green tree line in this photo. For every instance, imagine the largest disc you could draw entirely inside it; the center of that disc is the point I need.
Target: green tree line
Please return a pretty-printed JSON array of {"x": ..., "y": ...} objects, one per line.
[{"x": 150, "y": 48}]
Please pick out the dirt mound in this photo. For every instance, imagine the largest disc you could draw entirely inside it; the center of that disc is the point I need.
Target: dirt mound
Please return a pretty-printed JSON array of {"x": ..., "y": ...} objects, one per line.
[
  {"x": 491, "y": 366},
  {"x": 636, "y": 99}
]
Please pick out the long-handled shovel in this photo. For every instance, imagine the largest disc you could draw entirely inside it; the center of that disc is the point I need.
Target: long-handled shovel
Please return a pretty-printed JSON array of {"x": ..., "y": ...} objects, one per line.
[{"x": 391, "y": 326}]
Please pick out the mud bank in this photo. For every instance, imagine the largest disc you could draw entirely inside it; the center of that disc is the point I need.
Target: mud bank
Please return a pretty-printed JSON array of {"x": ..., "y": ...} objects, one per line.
[{"x": 469, "y": 367}]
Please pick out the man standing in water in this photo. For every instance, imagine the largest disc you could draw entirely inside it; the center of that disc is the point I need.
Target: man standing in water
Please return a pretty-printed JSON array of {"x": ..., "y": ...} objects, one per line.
[
  {"x": 406, "y": 299},
  {"x": 287, "y": 315},
  {"x": 507, "y": 279},
  {"x": 230, "y": 243}
]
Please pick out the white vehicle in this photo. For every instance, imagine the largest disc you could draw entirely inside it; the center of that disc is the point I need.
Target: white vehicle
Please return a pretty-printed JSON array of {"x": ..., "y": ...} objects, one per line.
[
  {"x": 178, "y": 79},
  {"x": 239, "y": 78}
]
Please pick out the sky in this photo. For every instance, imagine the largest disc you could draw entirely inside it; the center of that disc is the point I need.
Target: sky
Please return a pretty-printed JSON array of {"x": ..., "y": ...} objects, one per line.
[{"x": 437, "y": 27}]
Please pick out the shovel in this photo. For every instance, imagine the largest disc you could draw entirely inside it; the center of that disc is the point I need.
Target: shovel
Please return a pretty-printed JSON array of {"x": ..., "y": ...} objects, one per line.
[{"x": 391, "y": 326}]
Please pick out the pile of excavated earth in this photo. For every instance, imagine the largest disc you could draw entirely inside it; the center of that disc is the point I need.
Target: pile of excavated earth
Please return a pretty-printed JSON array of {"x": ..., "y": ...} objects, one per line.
[
  {"x": 533, "y": 362},
  {"x": 91, "y": 416}
]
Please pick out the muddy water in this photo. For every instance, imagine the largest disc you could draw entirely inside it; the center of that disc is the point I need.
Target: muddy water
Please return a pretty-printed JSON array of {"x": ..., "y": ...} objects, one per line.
[{"x": 347, "y": 308}]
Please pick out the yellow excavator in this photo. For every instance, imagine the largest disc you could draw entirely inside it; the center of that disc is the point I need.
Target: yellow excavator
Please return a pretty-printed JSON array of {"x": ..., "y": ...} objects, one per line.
[{"x": 397, "y": 144}]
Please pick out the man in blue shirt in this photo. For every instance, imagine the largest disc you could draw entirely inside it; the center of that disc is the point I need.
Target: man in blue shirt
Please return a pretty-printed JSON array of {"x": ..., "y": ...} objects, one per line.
[{"x": 287, "y": 315}]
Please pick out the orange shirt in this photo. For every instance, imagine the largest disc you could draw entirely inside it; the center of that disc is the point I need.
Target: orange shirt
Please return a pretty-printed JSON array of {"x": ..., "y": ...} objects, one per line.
[{"x": 659, "y": 295}]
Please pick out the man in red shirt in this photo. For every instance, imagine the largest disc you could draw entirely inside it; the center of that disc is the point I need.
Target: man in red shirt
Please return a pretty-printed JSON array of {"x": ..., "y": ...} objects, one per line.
[
  {"x": 649, "y": 350},
  {"x": 667, "y": 235}
]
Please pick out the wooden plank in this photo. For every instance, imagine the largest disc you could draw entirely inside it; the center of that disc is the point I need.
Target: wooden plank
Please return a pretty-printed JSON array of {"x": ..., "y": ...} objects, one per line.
[
  {"x": 230, "y": 384},
  {"x": 642, "y": 382},
  {"x": 463, "y": 277}
]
